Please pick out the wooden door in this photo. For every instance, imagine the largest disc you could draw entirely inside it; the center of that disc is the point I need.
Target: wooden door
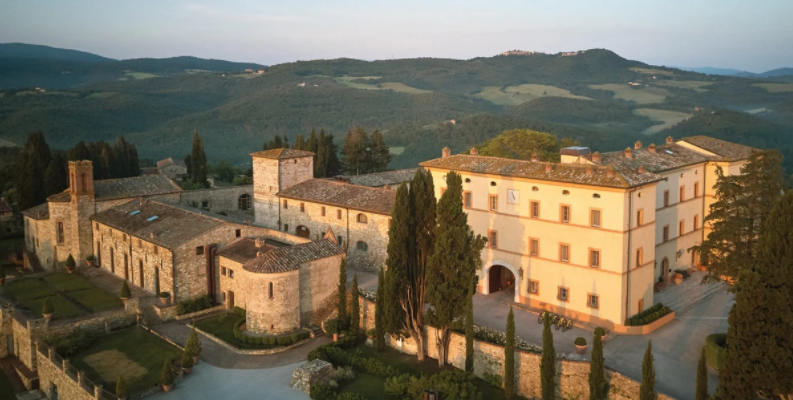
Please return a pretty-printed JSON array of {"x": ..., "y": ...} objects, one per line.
[
  {"x": 303, "y": 232},
  {"x": 10, "y": 344},
  {"x": 231, "y": 300}
]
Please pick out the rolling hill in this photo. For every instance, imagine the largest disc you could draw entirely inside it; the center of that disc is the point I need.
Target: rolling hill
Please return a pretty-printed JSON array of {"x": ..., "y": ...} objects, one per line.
[{"x": 23, "y": 50}]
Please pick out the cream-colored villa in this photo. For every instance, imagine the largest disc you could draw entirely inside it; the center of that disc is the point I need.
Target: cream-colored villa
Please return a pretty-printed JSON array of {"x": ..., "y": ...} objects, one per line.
[{"x": 588, "y": 237}]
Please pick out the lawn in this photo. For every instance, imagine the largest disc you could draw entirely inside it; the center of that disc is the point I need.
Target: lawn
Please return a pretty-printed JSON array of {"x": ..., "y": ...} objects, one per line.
[
  {"x": 32, "y": 292},
  {"x": 68, "y": 282},
  {"x": 97, "y": 299},
  {"x": 514, "y": 95},
  {"x": 134, "y": 353},
  {"x": 64, "y": 309},
  {"x": 225, "y": 331},
  {"x": 27, "y": 289},
  {"x": 641, "y": 94}
]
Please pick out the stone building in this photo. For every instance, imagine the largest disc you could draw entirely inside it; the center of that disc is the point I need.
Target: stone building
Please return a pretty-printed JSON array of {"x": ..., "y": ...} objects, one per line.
[
  {"x": 386, "y": 180},
  {"x": 281, "y": 286},
  {"x": 173, "y": 169},
  {"x": 217, "y": 199}
]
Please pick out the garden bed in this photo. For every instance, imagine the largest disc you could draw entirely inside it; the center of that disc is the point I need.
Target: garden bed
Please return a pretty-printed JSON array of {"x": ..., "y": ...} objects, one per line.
[{"x": 222, "y": 327}]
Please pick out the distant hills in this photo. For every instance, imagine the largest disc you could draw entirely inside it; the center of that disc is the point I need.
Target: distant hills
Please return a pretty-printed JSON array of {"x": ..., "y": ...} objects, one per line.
[
  {"x": 22, "y": 50},
  {"x": 738, "y": 72}
]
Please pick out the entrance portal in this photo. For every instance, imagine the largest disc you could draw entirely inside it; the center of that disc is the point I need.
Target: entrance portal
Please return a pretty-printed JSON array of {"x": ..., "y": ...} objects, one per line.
[
  {"x": 303, "y": 232},
  {"x": 500, "y": 278}
]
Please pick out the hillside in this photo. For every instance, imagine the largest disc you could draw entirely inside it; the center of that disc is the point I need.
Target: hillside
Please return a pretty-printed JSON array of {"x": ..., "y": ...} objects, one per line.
[{"x": 23, "y": 50}]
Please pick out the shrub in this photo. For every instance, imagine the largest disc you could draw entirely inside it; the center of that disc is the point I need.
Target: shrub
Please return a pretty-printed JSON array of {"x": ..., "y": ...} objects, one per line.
[
  {"x": 240, "y": 312},
  {"x": 121, "y": 388},
  {"x": 600, "y": 331},
  {"x": 350, "y": 396},
  {"x": 715, "y": 346},
  {"x": 125, "y": 292},
  {"x": 271, "y": 340},
  {"x": 579, "y": 341},
  {"x": 70, "y": 263},
  {"x": 89, "y": 259},
  {"x": 284, "y": 340},
  {"x": 70, "y": 344},
  {"x": 295, "y": 337},
  {"x": 47, "y": 308},
  {"x": 168, "y": 374},
  {"x": 493, "y": 379},
  {"x": 164, "y": 295},
  {"x": 332, "y": 326},
  {"x": 451, "y": 384},
  {"x": 193, "y": 305},
  {"x": 193, "y": 345},
  {"x": 187, "y": 359},
  {"x": 323, "y": 392},
  {"x": 342, "y": 374}
]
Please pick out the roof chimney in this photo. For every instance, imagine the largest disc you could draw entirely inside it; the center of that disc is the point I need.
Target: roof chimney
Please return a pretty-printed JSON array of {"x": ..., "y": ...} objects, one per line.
[
  {"x": 669, "y": 140},
  {"x": 535, "y": 157},
  {"x": 610, "y": 172},
  {"x": 474, "y": 151},
  {"x": 446, "y": 152},
  {"x": 259, "y": 242},
  {"x": 589, "y": 170},
  {"x": 637, "y": 145},
  {"x": 548, "y": 167},
  {"x": 651, "y": 147},
  {"x": 628, "y": 152},
  {"x": 641, "y": 169},
  {"x": 596, "y": 157},
  {"x": 259, "y": 254}
]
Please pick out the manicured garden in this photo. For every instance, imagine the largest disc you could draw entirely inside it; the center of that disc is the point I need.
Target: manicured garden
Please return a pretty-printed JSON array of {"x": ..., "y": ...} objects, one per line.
[
  {"x": 226, "y": 328},
  {"x": 33, "y": 292}
]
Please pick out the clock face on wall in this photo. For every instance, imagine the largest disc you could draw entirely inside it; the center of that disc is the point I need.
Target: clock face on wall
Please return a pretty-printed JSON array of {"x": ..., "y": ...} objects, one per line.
[{"x": 513, "y": 196}]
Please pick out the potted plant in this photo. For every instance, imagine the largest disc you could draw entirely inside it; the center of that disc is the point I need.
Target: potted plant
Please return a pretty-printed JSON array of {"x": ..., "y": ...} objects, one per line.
[
  {"x": 187, "y": 362},
  {"x": 125, "y": 292},
  {"x": 165, "y": 297},
  {"x": 600, "y": 332},
  {"x": 580, "y": 345},
  {"x": 2, "y": 276},
  {"x": 193, "y": 346},
  {"x": 678, "y": 278},
  {"x": 47, "y": 309},
  {"x": 121, "y": 388},
  {"x": 168, "y": 375},
  {"x": 90, "y": 260},
  {"x": 70, "y": 264},
  {"x": 332, "y": 327},
  {"x": 370, "y": 333}
]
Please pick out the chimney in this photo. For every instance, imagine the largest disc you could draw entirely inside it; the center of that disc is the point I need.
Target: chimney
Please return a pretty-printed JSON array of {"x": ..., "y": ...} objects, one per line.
[
  {"x": 259, "y": 242},
  {"x": 446, "y": 152},
  {"x": 589, "y": 170},
  {"x": 628, "y": 152},
  {"x": 474, "y": 151},
  {"x": 651, "y": 147},
  {"x": 259, "y": 254},
  {"x": 637, "y": 145},
  {"x": 641, "y": 169},
  {"x": 610, "y": 172},
  {"x": 548, "y": 167},
  {"x": 535, "y": 157},
  {"x": 669, "y": 140},
  {"x": 596, "y": 157}
]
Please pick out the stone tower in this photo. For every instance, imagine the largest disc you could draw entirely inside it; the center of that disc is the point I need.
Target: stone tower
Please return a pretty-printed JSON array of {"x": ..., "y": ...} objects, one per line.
[
  {"x": 81, "y": 193},
  {"x": 274, "y": 171}
]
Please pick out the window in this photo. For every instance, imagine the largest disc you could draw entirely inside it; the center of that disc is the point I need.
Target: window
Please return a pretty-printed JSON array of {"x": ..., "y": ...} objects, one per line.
[
  {"x": 286, "y": 227},
  {"x": 493, "y": 202},
  {"x": 492, "y": 238},
  {"x": 238, "y": 233},
  {"x": 593, "y": 301},
  {"x": 594, "y": 258},
  {"x": 361, "y": 218},
  {"x": 565, "y": 192},
  {"x": 286, "y": 204},
  {"x": 564, "y": 214},
  {"x": 467, "y": 180},
  {"x": 535, "y": 189},
  {"x": 563, "y": 294},
  {"x": 340, "y": 239},
  {"x": 244, "y": 202},
  {"x": 199, "y": 251},
  {"x": 467, "y": 201},
  {"x": 223, "y": 271},
  {"x": 641, "y": 305},
  {"x": 696, "y": 222},
  {"x": 596, "y": 196},
  {"x": 639, "y": 256},
  {"x": 595, "y": 218},
  {"x": 696, "y": 189},
  {"x": 666, "y": 198},
  {"x": 564, "y": 252},
  {"x": 640, "y": 218},
  {"x": 124, "y": 237},
  {"x": 323, "y": 211},
  {"x": 271, "y": 290},
  {"x": 338, "y": 214},
  {"x": 682, "y": 193},
  {"x": 61, "y": 238},
  {"x": 204, "y": 204},
  {"x": 492, "y": 183},
  {"x": 681, "y": 228},
  {"x": 231, "y": 273},
  {"x": 362, "y": 246},
  {"x": 302, "y": 207},
  {"x": 666, "y": 233},
  {"x": 534, "y": 287},
  {"x": 156, "y": 249},
  {"x": 535, "y": 209},
  {"x": 85, "y": 182},
  {"x": 534, "y": 247}
]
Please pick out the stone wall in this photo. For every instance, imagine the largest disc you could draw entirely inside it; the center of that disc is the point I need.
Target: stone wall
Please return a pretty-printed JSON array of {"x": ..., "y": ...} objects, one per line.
[
  {"x": 318, "y": 282},
  {"x": 53, "y": 378},
  {"x": 217, "y": 199}
]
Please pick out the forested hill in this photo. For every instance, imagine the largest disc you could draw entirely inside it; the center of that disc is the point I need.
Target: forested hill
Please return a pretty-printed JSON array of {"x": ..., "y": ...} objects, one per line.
[
  {"x": 421, "y": 105},
  {"x": 23, "y": 50}
]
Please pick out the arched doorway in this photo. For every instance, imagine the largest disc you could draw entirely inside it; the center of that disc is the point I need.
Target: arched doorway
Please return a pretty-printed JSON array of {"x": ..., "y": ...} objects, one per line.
[
  {"x": 665, "y": 269},
  {"x": 502, "y": 268},
  {"x": 244, "y": 202},
  {"x": 500, "y": 278},
  {"x": 303, "y": 232}
]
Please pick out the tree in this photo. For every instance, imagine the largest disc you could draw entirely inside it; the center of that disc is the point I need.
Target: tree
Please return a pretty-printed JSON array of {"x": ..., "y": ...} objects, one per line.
[
  {"x": 47, "y": 307},
  {"x": 187, "y": 360},
  {"x": 224, "y": 171},
  {"x": 121, "y": 388},
  {"x": 193, "y": 345},
  {"x": 647, "y": 388},
  {"x": 312, "y": 143},
  {"x": 380, "y": 152},
  {"x": 55, "y": 176},
  {"x": 199, "y": 160},
  {"x": 357, "y": 157},
  {"x": 742, "y": 204},
  {"x": 285, "y": 144},
  {"x": 30, "y": 173},
  {"x": 454, "y": 261},
  {"x": 548, "y": 361},
  {"x": 168, "y": 373},
  {"x": 509, "y": 357},
  {"x": 300, "y": 142},
  {"x": 759, "y": 354},
  {"x": 469, "y": 328},
  {"x": 379, "y": 323},
  {"x": 343, "y": 318},
  {"x": 355, "y": 308},
  {"x": 188, "y": 161},
  {"x": 79, "y": 152},
  {"x": 276, "y": 143},
  {"x": 125, "y": 292},
  {"x": 702, "y": 378},
  {"x": 522, "y": 144},
  {"x": 332, "y": 164},
  {"x": 597, "y": 377}
]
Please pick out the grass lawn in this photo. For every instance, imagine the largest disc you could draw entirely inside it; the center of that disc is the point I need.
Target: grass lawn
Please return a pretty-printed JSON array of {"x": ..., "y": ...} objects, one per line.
[
  {"x": 68, "y": 282},
  {"x": 64, "y": 308},
  {"x": 28, "y": 289},
  {"x": 225, "y": 331},
  {"x": 134, "y": 353},
  {"x": 514, "y": 95},
  {"x": 371, "y": 386},
  {"x": 6, "y": 390},
  {"x": 669, "y": 118},
  {"x": 97, "y": 299}
]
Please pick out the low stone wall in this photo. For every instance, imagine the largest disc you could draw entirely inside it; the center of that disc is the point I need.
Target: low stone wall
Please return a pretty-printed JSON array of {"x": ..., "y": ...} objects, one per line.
[
  {"x": 201, "y": 313},
  {"x": 61, "y": 377},
  {"x": 310, "y": 374},
  {"x": 166, "y": 312},
  {"x": 250, "y": 352}
]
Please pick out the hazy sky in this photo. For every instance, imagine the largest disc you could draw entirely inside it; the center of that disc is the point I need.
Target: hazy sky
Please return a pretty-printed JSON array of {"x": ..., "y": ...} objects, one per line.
[{"x": 754, "y": 35}]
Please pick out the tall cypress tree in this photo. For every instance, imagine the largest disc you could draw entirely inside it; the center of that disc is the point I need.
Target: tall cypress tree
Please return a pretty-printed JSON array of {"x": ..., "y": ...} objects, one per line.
[
  {"x": 357, "y": 158},
  {"x": 55, "y": 176},
  {"x": 380, "y": 152},
  {"x": 285, "y": 144},
  {"x": 548, "y": 362},
  {"x": 312, "y": 142},
  {"x": 333, "y": 164},
  {"x": 121, "y": 164},
  {"x": 79, "y": 152},
  {"x": 509, "y": 357},
  {"x": 379, "y": 323},
  {"x": 702, "y": 378},
  {"x": 469, "y": 328},
  {"x": 597, "y": 377},
  {"x": 199, "y": 160},
  {"x": 31, "y": 163},
  {"x": 759, "y": 354},
  {"x": 355, "y": 308},
  {"x": 277, "y": 143},
  {"x": 321, "y": 158},
  {"x": 647, "y": 388},
  {"x": 300, "y": 142},
  {"x": 343, "y": 318},
  {"x": 188, "y": 161},
  {"x": 134, "y": 162}
]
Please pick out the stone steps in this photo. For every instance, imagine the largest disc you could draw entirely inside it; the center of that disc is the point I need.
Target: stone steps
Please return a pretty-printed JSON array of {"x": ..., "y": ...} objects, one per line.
[{"x": 315, "y": 330}]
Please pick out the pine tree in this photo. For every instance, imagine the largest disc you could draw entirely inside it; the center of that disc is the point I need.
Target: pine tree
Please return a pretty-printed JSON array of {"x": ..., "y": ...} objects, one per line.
[
  {"x": 277, "y": 143},
  {"x": 380, "y": 152},
  {"x": 759, "y": 354},
  {"x": 300, "y": 143},
  {"x": 548, "y": 362},
  {"x": 199, "y": 160},
  {"x": 509, "y": 357},
  {"x": 597, "y": 377},
  {"x": 356, "y": 152},
  {"x": 355, "y": 307},
  {"x": 702, "y": 378},
  {"x": 31, "y": 163},
  {"x": 55, "y": 176},
  {"x": 333, "y": 165},
  {"x": 454, "y": 260},
  {"x": 343, "y": 318},
  {"x": 79, "y": 152},
  {"x": 285, "y": 144},
  {"x": 379, "y": 323},
  {"x": 647, "y": 388},
  {"x": 469, "y": 328}
]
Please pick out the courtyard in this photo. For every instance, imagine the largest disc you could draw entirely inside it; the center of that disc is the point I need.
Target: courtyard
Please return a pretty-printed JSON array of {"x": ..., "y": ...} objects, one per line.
[{"x": 71, "y": 295}]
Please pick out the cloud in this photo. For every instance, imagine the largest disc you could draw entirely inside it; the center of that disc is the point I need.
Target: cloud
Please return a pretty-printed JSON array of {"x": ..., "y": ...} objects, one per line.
[{"x": 232, "y": 15}]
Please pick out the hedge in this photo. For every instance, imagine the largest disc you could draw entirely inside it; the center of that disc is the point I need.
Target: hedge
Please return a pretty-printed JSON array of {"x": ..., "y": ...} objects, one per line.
[
  {"x": 193, "y": 305},
  {"x": 336, "y": 353},
  {"x": 268, "y": 340},
  {"x": 649, "y": 315},
  {"x": 715, "y": 345}
]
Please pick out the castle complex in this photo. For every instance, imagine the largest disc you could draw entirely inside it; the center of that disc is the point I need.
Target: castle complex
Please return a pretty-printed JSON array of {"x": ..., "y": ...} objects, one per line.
[{"x": 587, "y": 238}]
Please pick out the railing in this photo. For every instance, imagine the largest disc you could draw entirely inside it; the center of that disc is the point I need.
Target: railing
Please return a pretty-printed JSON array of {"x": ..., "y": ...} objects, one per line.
[{"x": 92, "y": 389}]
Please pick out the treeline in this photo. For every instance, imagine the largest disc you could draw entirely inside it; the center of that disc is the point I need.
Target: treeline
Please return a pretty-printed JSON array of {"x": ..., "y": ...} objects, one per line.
[{"x": 326, "y": 153}]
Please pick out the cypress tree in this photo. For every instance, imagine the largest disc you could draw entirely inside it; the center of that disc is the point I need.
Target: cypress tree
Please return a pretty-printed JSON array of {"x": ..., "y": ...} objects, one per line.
[
  {"x": 469, "y": 328},
  {"x": 300, "y": 143},
  {"x": 134, "y": 162},
  {"x": 356, "y": 152},
  {"x": 380, "y": 152},
  {"x": 266, "y": 146},
  {"x": 32, "y": 161},
  {"x": 312, "y": 142},
  {"x": 379, "y": 324},
  {"x": 355, "y": 307},
  {"x": 107, "y": 160},
  {"x": 509, "y": 357},
  {"x": 333, "y": 165},
  {"x": 79, "y": 152},
  {"x": 343, "y": 318},
  {"x": 122, "y": 163},
  {"x": 647, "y": 388},
  {"x": 276, "y": 143},
  {"x": 55, "y": 176},
  {"x": 285, "y": 144},
  {"x": 759, "y": 354},
  {"x": 548, "y": 362},
  {"x": 188, "y": 161},
  {"x": 199, "y": 160},
  {"x": 702, "y": 378},
  {"x": 597, "y": 378}
]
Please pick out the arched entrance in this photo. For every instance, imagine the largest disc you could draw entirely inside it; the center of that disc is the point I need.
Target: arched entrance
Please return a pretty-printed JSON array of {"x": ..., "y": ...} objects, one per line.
[
  {"x": 244, "y": 202},
  {"x": 500, "y": 276},
  {"x": 665, "y": 269},
  {"x": 303, "y": 232}
]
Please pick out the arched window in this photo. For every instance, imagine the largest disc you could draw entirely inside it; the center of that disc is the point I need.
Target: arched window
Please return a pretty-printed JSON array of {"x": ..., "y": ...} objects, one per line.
[
  {"x": 244, "y": 201},
  {"x": 271, "y": 290},
  {"x": 61, "y": 238},
  {"x": 362, "y": 218},
  {"x": 362, "y": 246}
]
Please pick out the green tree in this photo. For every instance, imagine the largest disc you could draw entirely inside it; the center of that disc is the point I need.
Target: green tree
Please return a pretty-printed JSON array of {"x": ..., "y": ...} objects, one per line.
[
  {"x": 193, "y": 345},
  {"x": 357, "y": 155},
  {"x": 125, "y": 292},
  {"x": 121, "y": 152},
  {"x": 285, "y": 144},
  {"x": 79, "y": 152},
  {"x": 548, "y": 362},
  {"x": 47, "y": 307},
  {"x": 224, "y": 171},
  {"x": 380, "y": 152},
  {"x": 199, "y": 160},
  {"x": 355, "y": 307},
  {"x": 31, "y": 189},
  {"x": 702, "y": 378},
  {"x": 168, "y": 373},
  {"x": 379, "y": 323},
  {"x": 56, "y": 176},
  {"x": 469, "y": 328},
  {"x": 759, "y": 354},
  {"x": 312, "y": 143},
  {"x": 454, "y": 261},
  {"x": 121, "y": 388},
  {"x": 509, "y": 357},
  {"x": 276, "y": 143},
  {"x": 647, "y": 388},
  {"x": 597, "y": 377},
  {"x": 343, "y": 318},
  {"x": 742, "y": 204},
  {"x": 188, "y": 161},
  {"x": 300, "y": 142},
  {"x": 522, "y": 144}
]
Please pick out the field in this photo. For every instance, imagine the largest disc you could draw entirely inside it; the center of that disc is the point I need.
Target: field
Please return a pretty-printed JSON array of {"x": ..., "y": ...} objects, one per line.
[
  {"x": 669, "y": 118},
  {"x": 693, "y": 85},
  {"x": 514, "y": 95},
  {"x": 396, "y": 150},
  {"x": 641, "y": 95},
  {"x": 651, "y": 71},
  {"x": 140, "y": 75},
  {"x": 776, "y": 87},
  {"x": 100, "y": 95},
  {"x": 395, "y": 86}
]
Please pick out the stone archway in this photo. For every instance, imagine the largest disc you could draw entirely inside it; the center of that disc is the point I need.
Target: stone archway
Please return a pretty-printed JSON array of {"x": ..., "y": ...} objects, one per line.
[
  {"x": 303, "y": 232},
  {"x": 505, "y": 265}
]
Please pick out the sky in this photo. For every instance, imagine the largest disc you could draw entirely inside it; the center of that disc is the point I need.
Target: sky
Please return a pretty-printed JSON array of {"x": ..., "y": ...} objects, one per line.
[{"x": 749, "y": 35}]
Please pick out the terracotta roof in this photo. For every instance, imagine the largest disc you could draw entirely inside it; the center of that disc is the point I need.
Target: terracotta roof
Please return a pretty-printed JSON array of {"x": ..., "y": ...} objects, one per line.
[
  {"x": 340, "y": 194},
  {"x": 289, "y": 258},
  {"x": 4, "y": 207},
  {"x": 170, "y": 161},
  {"x": 172, "y": 226},
  {"x": 568, "y": 173},
  {"x": 282, "y": 154},
  {"x": 125, "y": 188},
  {"x": 666, "y": 157},
  {"x": 245, "y": 249},
  {"x": 41, "y": 211},
  {"x": 381, "y": 179},
  {"x": 149, "y": 171},
  {"x": 728, "y": 150}
]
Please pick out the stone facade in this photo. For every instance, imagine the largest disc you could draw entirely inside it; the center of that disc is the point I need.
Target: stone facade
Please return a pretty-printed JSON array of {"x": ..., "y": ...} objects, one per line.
[
  {"x": 273, "y": 175},
  {"x": 58, "y": 379},
  {"x": 311, "y": 374},
  {"x": 220, "y": 198}
]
